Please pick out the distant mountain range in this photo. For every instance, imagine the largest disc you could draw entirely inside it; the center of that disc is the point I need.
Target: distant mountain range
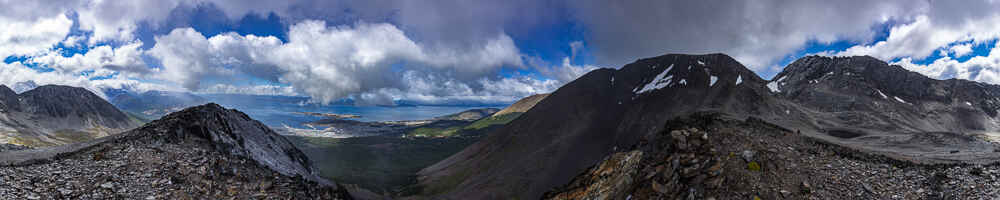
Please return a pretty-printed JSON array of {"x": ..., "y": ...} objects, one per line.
[
  {"x": 155, "y": 104},
  {"x": 859, "y": 102},
  {"x": 52, "y": 115}
]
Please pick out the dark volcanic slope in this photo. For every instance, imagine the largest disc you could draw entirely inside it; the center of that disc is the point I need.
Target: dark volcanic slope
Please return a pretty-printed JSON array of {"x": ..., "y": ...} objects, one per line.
[
  {"x": 200, "y": 152},
  {"x": 590, "y": 117},
  {"x": 65, "y": 102}
]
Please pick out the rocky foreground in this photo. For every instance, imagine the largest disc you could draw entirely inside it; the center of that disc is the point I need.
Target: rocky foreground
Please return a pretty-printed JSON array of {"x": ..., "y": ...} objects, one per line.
[
  {"x": 708, "y": 156},
  {"x": 205, "y": 152}
]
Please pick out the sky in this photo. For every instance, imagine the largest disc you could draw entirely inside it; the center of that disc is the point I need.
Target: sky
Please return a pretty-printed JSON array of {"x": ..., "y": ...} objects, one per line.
[{"x": 379, "y": 52}]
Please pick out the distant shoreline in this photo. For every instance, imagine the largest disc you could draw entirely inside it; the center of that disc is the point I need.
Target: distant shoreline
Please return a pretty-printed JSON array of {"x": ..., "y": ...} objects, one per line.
[{"x": 330, "y": 115}]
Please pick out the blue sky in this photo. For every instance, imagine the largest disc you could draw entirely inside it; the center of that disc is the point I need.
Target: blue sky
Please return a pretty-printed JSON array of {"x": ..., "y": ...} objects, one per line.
[{"x": 379, "y": 52}]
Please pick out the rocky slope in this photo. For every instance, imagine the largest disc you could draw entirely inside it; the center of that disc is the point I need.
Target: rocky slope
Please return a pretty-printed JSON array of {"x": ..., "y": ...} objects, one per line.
[
  {"x": 857, "y": 102},
  {"x": 590, "y": 117},
  {"x": 53, "y": 115},
  {"x": 711, "y": 156},
  {"x": 200, "y": 152},
  {"x": 864, "y": 102}
]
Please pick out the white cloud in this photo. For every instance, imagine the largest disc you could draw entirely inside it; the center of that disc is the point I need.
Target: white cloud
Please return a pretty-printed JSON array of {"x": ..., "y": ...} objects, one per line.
[
  {"x": 925, "y": 35},
  {"x": 434, "y": 89},
  {"x": 960, "y": 50},
  {"x": 326, "y": 63},
  {"x": 979, "y": 68},
  {"x": 32, "y": 36},
  {"x": 125, "y": 59},
  {"x": 13, "y": 73},
  {"x": 566, "y": 72}
]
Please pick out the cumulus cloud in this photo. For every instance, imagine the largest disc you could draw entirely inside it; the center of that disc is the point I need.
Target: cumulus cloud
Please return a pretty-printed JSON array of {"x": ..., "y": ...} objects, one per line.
[
  {"x": 926, "y": 34},
  {"x": 380, "y": 51},
  {"x": 434, "y": 89},
  {"x": 32, "y": 36},
  {"x": 324, "y": 62},
  {"x": 101, "y": 60},
  {"x": 979, "y": 68},
  {"x": 960, "y": 50},
  {"x": 16, "y": 73}
]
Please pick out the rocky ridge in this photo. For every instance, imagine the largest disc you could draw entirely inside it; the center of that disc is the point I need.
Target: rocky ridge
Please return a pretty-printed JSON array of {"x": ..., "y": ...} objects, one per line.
[
  {"x": 712, "y": 156},
  {"x": 200, "y": 152}
]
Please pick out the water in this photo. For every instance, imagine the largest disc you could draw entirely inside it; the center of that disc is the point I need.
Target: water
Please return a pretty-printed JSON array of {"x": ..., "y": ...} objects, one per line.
[{"x": 280, "y": 111}]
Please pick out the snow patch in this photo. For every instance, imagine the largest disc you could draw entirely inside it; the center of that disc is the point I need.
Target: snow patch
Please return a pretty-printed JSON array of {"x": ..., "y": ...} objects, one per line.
[
  {"x": 881, "y": 94},
  {"x": 683, "y": 82},
  {"x": 701, "y": 63},
  {"x": 739, "y": 79},
  {"x": 898, "y": 99},
  {"x": 712, "y": 80},
  {"x": 773, "y": 86},
  {"x": 968, "y": 103},
  {"x": 662, "y": 80}
]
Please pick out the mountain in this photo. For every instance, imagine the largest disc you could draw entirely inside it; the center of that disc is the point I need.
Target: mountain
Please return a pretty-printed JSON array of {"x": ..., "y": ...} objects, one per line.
[
  {"x": 856, "y": 102},
  {"x": 200, "y": 152},
  {"x": 52, "y": 115},
  {"x": 155, "y": 104},
  {"x": 590, "y": 117}
]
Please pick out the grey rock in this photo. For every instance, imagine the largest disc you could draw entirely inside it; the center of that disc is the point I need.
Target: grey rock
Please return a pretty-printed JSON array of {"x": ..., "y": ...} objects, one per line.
[{"x": 747, "y": 155}]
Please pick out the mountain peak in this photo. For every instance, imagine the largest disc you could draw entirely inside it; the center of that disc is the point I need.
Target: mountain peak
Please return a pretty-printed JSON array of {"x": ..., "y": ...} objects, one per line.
[{"x": 233, "y": 132}]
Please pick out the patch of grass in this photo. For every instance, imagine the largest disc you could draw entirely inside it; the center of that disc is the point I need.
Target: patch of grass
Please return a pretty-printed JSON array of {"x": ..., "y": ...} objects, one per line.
[
  {"x": 434, "y": 132},
  {"x": 493, "y": 120},
  {"x": 138, "y": 119},
  {"x": 463, "y": 129}
]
